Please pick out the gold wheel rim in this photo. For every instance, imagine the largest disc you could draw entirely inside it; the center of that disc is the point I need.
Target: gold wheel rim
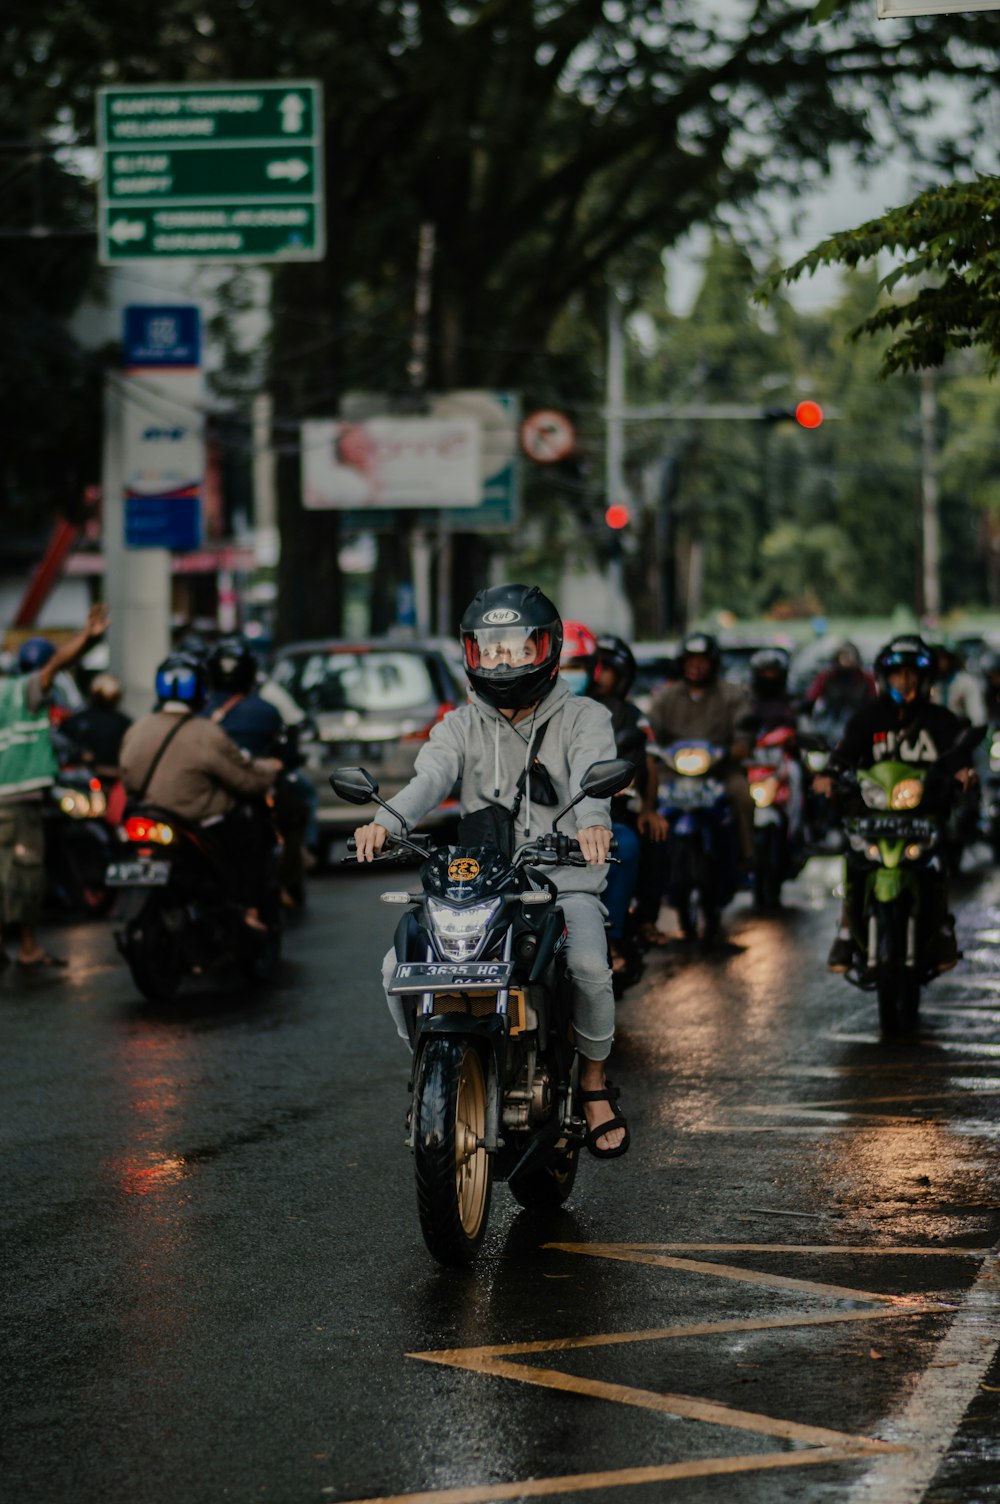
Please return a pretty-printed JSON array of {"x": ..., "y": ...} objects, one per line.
[{"x": 471, "y": 1160}]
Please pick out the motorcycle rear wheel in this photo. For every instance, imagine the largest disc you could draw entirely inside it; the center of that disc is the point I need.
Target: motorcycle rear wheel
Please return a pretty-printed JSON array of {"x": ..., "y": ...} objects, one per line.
[
  {"x": 454, "y": 1173},
  {"x": 153, "y": 959}
]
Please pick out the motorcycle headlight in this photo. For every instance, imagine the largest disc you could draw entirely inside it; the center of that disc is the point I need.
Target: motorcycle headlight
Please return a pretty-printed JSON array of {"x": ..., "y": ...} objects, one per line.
[
  {"x": 907, "y": 794},
  {"x": 692, "y": 761},
  {"x": 913, "y": 851},
  {"x": 75, "y": 803},
  {"x": 873, "y": 794},
  {"x": 461, "y": 933},
  {"x": 764, "y": 793}
]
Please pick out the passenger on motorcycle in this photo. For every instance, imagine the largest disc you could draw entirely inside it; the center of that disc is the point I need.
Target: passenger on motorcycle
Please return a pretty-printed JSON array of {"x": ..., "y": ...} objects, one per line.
[
  {"x": 511, "y": 637},
  {"x": 200, "y": 775},
  {"x": 706, "y": 708},
  {"x": 902, "y": 725},
  {"x": 614, "y": 675}
]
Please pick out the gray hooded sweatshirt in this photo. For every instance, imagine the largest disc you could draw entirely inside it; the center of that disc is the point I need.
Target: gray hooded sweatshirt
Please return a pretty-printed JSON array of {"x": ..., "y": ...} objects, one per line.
[{"x": 479, "y": 746}]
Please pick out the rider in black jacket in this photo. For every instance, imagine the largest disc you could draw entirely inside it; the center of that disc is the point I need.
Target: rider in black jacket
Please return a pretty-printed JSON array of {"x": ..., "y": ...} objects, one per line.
[{"x": 902, "y": 725}]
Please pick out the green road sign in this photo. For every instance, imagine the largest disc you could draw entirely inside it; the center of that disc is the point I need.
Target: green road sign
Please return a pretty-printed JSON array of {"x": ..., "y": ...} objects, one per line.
[{"x": 230, "y": 172}]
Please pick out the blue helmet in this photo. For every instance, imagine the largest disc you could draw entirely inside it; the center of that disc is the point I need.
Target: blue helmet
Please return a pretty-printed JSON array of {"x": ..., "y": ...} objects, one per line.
[
  {"x": 181, "y": 677},
  {"x": 34, "y": 654}
]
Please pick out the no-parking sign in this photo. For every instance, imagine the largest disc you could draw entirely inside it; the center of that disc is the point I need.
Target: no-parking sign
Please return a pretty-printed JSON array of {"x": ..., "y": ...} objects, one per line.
[{"x": 547, "y": 436}]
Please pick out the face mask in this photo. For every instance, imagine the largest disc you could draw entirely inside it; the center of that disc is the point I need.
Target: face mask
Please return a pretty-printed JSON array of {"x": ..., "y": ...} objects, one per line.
[{"x": 575, "y": 679}]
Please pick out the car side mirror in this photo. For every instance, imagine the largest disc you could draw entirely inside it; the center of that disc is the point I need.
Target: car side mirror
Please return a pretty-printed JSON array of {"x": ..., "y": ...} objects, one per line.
[{"x": 353, "y": 785}]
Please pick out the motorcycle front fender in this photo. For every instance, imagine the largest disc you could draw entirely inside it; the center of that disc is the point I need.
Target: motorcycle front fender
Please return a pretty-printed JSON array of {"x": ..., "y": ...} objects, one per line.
[{"x": 490, "y": 1035}]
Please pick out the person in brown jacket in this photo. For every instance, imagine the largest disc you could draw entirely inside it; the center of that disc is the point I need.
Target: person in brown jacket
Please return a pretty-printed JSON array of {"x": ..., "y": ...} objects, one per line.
[
  {"x": 186, "y": 764},
  {"x": 706, "y": 708}
]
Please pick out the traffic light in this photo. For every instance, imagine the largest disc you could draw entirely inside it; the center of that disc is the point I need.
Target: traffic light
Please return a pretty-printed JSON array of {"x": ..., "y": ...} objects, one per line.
[
  {"x": 617, "y": 516},
  {"x": 808, "y": 414}
]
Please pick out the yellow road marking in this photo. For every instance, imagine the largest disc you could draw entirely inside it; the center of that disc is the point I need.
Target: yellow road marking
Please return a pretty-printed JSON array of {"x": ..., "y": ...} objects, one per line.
[
  {"x": 707, "y": 1467},
  {"x": 631, "y": 1254},
  {"x": 456, "y": 1355},
  {"x": 823, "y": 1444}
]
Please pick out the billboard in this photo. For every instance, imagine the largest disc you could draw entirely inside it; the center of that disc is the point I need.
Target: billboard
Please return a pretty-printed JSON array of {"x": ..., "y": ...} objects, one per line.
[
  {"x": 390, "y": 462},
  {"x": 162, "y": 427}
]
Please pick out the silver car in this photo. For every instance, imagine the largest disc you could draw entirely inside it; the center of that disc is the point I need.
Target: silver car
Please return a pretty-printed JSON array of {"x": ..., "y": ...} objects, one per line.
[{"x": 374, "y": 704}]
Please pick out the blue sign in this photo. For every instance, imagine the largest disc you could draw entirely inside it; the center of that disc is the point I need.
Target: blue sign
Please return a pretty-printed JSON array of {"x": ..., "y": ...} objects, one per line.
[
  {"x": 172, "y": 522},
  {"x": 162, "y": 335}
]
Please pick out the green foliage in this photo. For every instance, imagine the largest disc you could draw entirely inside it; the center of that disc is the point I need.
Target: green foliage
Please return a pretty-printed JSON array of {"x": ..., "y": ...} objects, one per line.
[{"x": 948, "y": 237}]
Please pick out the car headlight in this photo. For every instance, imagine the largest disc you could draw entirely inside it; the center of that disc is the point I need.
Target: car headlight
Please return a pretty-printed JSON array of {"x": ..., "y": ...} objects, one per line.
[
  {"x": 764, "y": 793},
  {"x": 692, "y": 761},
  {"x": 873, "y": 794},
  {"x": 461, "y": 933},
  {"x": 907, "y": 794}
]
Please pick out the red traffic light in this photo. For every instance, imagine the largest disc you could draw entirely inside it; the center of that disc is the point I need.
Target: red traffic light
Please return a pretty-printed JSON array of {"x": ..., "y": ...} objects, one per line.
[
  {"x": 617, "y": 516},
  {"x": 808, "y": 414}
]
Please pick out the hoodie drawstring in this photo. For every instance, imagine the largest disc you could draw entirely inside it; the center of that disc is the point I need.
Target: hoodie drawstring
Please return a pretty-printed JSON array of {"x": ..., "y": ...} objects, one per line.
[{"x": 496, "y": 758}]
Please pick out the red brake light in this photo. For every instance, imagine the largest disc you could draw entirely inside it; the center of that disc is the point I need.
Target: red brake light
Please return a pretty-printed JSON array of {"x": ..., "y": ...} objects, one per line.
[{"x": 142, "y": 828}]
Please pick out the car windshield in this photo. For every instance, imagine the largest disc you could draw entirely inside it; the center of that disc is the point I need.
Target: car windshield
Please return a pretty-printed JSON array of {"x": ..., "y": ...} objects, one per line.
[{"x": 349, "y": 680}]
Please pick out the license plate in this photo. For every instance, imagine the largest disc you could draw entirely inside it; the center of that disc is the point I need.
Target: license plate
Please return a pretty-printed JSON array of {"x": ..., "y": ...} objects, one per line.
[
  {"x": 141, "y": 873},
  {"x": 443, "y": 976}
]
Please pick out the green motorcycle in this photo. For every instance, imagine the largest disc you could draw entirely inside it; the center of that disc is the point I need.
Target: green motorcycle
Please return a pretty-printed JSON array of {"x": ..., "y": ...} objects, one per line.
[{"x": 898, "y": 838}]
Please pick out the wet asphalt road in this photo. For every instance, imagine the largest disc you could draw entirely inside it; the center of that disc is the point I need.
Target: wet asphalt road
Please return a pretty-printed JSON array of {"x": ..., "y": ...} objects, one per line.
[{"x": 216, "y": 1288}]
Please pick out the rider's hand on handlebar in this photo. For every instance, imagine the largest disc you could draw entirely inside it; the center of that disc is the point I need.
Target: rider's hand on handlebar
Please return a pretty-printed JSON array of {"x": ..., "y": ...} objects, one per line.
[
  {"x": 823, "y": 784},
  {"x": 595, "y": 843},
  {"x": 370, "y": 839},
  {"x": 967, "y": 778},
  {"x": 652, "y": 824}
]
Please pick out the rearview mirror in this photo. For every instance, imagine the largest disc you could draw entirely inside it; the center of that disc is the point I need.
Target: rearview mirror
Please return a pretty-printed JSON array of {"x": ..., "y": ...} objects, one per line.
[
  {"x": 602, "y": 779},
  {"x": 353, "y": 785}
]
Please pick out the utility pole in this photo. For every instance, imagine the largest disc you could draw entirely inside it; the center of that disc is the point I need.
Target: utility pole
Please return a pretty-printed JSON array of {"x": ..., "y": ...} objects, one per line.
[
  {"x": 614, "y": 444},
  {"x": 421, "y": 552},
  {"x": 929, "y": 496}
]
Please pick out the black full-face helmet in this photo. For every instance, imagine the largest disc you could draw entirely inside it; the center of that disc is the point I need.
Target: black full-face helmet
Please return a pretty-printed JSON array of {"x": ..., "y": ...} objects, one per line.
[
  {"x": 511, "y": 638},
  {"x": 232, "y": 665},
  {"x": 614, "y": 653},
  {"x": 907, "y": 651},
  {"x": 769, "y": 672},
  {"x": 700, "y": 645}
]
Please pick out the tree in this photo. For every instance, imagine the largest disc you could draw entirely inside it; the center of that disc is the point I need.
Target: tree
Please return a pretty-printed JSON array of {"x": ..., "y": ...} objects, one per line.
[{"x": 948, "y": 235}]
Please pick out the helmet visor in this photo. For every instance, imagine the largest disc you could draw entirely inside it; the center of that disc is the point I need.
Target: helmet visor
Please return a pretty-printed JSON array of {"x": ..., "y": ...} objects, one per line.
[{"x": 489, "y": 648}]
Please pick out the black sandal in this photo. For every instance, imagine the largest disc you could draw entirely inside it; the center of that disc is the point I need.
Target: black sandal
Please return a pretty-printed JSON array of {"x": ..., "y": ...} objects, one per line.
[{"x": 608, "y": 1093}]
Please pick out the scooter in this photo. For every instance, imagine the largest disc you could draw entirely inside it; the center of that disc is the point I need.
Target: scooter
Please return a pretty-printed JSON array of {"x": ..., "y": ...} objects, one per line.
[
  {"x": 701, "y": 846},
  {"x": 480, "y": 977},
  {"x": 78, "y": 843},
  {"x": 775, "y": 779},
  {"x": 179, "y": 917}
]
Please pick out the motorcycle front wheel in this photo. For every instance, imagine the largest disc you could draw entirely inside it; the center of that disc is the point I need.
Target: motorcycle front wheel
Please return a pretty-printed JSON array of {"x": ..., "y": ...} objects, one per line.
[
  {"x": 897, "y": 986},
  {"x": 454, "y": 1173}
]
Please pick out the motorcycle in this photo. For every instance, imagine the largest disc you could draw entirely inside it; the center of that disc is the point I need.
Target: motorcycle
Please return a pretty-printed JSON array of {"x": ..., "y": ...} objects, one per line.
[
  {"x": 78, "y": 843},
  {"x": 900, "y": 838},
  {"x": 775, "y": 780},
  {"x": 179, "y": 916},
  {"x": 701, "y": 861},
  {"x": 484, "y": 993}
]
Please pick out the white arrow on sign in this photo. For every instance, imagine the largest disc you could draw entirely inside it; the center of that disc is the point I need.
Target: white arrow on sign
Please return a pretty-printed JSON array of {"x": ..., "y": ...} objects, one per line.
[
  {"x": 293, "y": 108},
  {"x": 293, "y": 169},
  {"x": 121, "y": 231}
]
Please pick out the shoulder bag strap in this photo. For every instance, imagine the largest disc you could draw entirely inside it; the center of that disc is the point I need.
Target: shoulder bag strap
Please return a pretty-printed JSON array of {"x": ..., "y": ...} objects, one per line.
[
  {"x": 532, "y": 758},
  {"x": 158, "y": 755}
]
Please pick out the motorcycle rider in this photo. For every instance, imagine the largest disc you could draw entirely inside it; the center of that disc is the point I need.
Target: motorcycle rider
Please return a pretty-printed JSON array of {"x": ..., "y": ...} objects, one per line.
[
  {"x": 27, "y": 768},
  {"x": 771, "y": 708},
  {"x": 511, "y": 638},
  {"x": 990, "y": 670},
  {"x": 614, "y": 674},
  {"x": 706, "y": 708},
  {"x": 955, "y": 687},
  {"x": 838, "y": 691},
  {"x": 202, "y": 776},
  {"x": 95, "y": 733},
  {"x": 904, "y": 725},
  {"x": 256, "y": 725}
]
